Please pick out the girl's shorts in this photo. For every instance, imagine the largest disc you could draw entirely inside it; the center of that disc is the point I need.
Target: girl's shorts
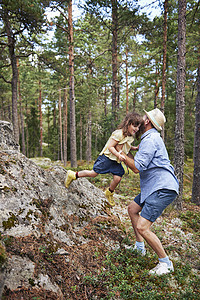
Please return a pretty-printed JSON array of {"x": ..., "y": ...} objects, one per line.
[
  {"x": 155, "y": 203},
  {"x": 105, "y": 165}
]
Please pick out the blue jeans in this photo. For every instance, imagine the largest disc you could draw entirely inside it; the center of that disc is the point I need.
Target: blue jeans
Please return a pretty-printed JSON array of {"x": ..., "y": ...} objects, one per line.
[{"x": 155, "y": 203}]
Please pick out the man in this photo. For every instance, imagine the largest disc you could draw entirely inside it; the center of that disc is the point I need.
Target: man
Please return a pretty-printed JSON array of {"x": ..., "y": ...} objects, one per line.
[{"x": 159, "y": 187}]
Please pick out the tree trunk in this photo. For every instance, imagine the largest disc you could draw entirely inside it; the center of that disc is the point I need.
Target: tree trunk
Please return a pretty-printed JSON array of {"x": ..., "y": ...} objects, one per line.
[
  {"x": 21, "y": 113},
  {"x": 54, "y": 126},
  {"x": 134, "y": 94},
  {"x": 71, "y": 91},
  {"x": 27, "y": 137},
  {"x": 105, "y": 101},
  {"x": 89, "y": 138},
  {"x": 40, "y": 118},
  {"x": 81, "y": 138},
  {"x": 196, "y": 174},
  {"x": 180, "y": 101},
  {"x": 48, "y": 124},
  {"x": 164, "y": 60},
  {"x": 156, "y": 87},
  {"x": 127, "y": 91},
  {"x": 11, "y": 46},
  {"x": 60, "y": 125},
  {"x": 114, "y": 59},
  {"x": 65, "y": 127}
]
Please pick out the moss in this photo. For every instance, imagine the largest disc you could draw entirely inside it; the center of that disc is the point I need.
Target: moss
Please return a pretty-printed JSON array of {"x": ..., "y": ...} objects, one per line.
[
  {"x": 11, "y": 222},
  {"x": 30, "y": 212},
  {"x": 3, "y": 256},
  {"x": 31, "y": 281}
]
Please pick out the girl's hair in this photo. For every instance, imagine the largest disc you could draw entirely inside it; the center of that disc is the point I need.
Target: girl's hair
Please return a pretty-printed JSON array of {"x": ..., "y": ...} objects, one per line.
[{"x": 131, "y": 118}]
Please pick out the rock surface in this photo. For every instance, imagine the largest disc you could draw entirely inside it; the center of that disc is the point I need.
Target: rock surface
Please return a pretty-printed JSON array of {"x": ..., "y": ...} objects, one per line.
[
  {"x": 7, "y": 141},
  {"x": 35, "y": 207}
]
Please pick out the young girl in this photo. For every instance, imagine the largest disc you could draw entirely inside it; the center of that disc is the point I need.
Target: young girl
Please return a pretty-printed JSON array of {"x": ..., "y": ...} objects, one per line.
[{"x": 109, "y": 160}]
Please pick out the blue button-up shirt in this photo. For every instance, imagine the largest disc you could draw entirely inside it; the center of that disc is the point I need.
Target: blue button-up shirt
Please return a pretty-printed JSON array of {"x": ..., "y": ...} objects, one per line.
[{"x": 154, "y": 166}]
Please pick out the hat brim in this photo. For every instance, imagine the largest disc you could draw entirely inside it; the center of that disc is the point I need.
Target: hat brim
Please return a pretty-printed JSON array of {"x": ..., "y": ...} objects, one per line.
[{"x": 152, "y": 121}]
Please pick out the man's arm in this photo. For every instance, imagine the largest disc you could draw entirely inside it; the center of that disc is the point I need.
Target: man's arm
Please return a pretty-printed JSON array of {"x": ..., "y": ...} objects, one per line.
[{"x": 130, "y": 163}]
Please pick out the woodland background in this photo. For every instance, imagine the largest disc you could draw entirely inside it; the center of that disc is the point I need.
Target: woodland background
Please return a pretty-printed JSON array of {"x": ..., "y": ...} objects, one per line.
[{"x": 67, "y": 83}]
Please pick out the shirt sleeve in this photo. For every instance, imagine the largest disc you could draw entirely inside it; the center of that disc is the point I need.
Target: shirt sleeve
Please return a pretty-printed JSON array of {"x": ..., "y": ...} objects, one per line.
[
  {"x": 145, "y": 154},
  {"x": 117, "y": 135}
]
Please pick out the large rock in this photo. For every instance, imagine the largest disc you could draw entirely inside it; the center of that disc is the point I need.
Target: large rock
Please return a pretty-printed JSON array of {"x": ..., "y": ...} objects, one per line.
[
  {"x": 36, "y": 207},
  {"x": 27, "y": 192}
]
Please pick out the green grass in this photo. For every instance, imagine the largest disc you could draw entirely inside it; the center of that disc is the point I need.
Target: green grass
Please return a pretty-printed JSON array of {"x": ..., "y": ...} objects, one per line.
[{"x": 125, "y": 274}]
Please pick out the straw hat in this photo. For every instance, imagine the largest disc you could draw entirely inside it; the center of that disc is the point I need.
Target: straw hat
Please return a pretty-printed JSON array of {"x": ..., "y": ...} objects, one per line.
[{"x": 156, "y": 117}]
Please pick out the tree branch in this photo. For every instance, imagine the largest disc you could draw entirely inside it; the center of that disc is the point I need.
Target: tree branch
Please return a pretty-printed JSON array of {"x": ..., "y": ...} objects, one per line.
[
  {"x": 64, "y": 29},
  {"x": 4, "y": 44},
  {"x": 1, "y": 76},
  {"x": 5, "y": 66},
  {"x": 60, "y": 11}
]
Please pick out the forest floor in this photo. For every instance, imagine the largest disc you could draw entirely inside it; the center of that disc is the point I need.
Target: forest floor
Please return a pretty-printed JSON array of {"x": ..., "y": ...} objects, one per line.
[
  {"x": 91, "y": 271},
  {"x": 125, "y": 275}
]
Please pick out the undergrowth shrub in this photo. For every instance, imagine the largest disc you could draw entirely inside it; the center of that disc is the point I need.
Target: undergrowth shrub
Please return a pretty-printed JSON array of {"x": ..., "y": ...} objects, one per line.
[{"x": 125, "y": 275}]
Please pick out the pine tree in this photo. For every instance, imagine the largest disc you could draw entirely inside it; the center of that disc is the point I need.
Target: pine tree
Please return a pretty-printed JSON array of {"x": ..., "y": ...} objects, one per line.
[
  {"x": 18, "y": 18},
  {"x": 180, "y": 101},
  {"x": 196, "y": 174}
]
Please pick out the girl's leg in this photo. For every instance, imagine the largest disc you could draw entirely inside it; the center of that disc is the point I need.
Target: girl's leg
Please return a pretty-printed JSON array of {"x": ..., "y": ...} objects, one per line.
[
  {"x": 87, "y": 173},
  {"x": 116, "y": 180},
  {"x": 110, "y": 191}
]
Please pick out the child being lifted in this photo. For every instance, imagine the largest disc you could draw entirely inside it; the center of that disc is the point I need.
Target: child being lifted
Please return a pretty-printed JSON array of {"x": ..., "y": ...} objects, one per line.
[{"x": 109, "y": 160}]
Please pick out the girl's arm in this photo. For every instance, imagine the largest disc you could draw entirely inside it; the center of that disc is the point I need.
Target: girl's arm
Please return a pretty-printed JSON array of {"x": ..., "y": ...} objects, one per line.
[
  {"x": 134, "y": 148},
  {"x": 111, "y": 148}
]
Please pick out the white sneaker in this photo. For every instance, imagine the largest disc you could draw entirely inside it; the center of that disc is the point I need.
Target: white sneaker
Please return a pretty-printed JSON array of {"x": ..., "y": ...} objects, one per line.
[
  {"x": 142, "y": 252},
  {"x": 162, "y": 268}
]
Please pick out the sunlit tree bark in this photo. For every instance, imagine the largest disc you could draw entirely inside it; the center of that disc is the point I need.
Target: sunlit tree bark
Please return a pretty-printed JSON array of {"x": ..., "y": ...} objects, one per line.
[
  {"x": 71, "y": 90},
  {"x": 114, "y": 58},
  {"x": 65, "y": 128}
]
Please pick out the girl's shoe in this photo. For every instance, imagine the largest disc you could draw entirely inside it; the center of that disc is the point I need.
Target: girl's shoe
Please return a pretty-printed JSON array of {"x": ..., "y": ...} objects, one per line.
[
  {"x": 70, "y": 176},
  {"x": 109, "y": 196}
]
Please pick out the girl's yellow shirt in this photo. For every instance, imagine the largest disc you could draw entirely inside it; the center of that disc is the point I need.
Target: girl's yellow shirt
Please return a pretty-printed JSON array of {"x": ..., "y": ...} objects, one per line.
[{"x": 118, "y": 136}]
